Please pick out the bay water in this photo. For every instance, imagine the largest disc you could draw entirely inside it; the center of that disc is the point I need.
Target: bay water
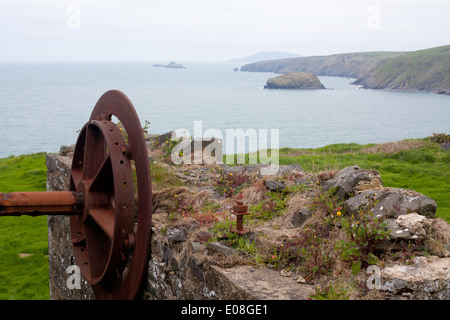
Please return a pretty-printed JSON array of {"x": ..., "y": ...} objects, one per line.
[{"x": 43, "y": 106}]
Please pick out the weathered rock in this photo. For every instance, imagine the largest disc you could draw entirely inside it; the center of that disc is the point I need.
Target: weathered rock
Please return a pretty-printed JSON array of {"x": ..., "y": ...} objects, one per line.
[
  {"x": 415, "y": 223},
  {"x": 295, "y": 80},
  {"x": 392, "y": 202},
  {"x": 348, "y": 179},
  {"x": 162, "y": 138},
  {"x": 177, "y": 234},
  {"x": 397, "y": 236},
  {"x": 261, "y": 169},
  {"x": 306, "y": 180},
  {"x": 232, "y": 169},
  {"x": 263, "y": 284},
  {"x": 428, "y": 278},
  {"x": 66, "y": 150},
  {"x": 301, "y": 216},
  {"x": 197, "y": 246},
  {"x": 274, "y": 185},
  {"x": 216, "y": 246},
  {"x": 294, "y": 167}
]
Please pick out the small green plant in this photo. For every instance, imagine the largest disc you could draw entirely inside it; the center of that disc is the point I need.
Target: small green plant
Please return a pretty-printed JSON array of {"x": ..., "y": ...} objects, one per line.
[
  {"x": 325, "y": 201},
  {"x": 205, "y": 215},
  {"x": 408, "y": 251},
  {"x": 167, "y": 148},
  {"x": 229, "y": 184},
  {"x": 362, "y": 234},
  {"x": 221, "y": 229},
  {"x": 146, "y": 125},
  {"x": 273, "y": 206},
  {"x": 307, "y": 252},
  {"x": 331, "y": 292},
  {"x": 246, "y": 245}
]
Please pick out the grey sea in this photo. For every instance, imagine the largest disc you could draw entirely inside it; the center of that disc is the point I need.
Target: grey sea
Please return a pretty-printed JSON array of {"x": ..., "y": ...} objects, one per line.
[{"x": 42, "y": 106}]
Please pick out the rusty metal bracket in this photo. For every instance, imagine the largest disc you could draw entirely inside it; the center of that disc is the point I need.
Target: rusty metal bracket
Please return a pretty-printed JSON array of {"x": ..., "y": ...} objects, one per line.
[{"x": 108, "y": 225}]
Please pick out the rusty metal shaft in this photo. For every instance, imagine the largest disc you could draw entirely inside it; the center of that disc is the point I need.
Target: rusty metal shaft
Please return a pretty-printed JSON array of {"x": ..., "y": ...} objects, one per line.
[{"x": 40, "y": 203}]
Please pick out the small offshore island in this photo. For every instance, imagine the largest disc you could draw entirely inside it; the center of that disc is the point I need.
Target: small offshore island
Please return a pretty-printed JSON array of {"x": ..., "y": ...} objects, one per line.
[
  {"x": 172, "y": 65},
  {"x": 295, "y": 80}
]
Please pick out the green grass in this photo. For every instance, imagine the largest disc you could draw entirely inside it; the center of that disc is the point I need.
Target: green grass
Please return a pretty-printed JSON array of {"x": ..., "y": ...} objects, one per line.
[
  {"x": 421, "y": 166},
  {"x": 23, "y": 278},
  {"x": 425, "y": 169}
]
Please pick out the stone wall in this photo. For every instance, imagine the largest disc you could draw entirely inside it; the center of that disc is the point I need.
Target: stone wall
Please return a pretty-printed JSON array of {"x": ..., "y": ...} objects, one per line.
[
  {"x": 61, "y": 256},
  {"x": 178, "y": 268}
]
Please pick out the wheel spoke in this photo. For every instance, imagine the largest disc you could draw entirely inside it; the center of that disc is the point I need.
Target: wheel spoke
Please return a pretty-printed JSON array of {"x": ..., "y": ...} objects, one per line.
[
  {"x": 94, "y": 152},
  {"x": 104, "y": 218},
  {"x": 102, "y": 179}
]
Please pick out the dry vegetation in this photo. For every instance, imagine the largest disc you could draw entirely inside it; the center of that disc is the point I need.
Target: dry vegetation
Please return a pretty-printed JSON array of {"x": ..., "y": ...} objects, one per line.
[{"x": 313, "y": 252}]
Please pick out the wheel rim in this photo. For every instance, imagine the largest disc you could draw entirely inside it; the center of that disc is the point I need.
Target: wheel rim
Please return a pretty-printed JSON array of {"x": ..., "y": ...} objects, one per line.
[{"x": 107, "y": 234}]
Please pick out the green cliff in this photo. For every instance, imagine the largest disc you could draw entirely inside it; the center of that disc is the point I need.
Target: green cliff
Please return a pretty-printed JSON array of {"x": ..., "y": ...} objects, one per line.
[{"x": 423, "y": 70}]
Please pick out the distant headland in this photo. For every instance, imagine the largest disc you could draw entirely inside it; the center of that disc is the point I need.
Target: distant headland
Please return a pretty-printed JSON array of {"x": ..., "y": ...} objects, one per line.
[{"x": 423, "y": 70}]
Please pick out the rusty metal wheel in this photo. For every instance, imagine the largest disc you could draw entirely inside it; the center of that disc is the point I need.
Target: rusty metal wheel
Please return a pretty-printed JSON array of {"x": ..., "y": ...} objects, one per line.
[{"x": 111, "y": 237}]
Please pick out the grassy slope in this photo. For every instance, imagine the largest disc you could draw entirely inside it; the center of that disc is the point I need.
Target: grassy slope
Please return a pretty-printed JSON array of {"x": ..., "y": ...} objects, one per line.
[
  {"x": 23, "y": 278},
  {"x": 427, "y": 70}
]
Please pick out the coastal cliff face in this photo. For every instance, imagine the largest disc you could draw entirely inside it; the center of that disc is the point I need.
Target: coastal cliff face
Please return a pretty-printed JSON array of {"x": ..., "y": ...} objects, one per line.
[
  {"x": 295, "y": 80},
  {"x": 423, "y": 70}
]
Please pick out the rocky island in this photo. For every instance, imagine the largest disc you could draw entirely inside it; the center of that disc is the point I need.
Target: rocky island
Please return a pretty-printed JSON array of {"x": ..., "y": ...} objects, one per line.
[
  {"x": 295, "y": 80},
  {"x": 172, "y": 65}
]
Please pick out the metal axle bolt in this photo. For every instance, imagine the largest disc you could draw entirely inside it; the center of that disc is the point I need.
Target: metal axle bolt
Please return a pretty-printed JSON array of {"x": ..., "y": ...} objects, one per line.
[{"x": 240, "y": 210}]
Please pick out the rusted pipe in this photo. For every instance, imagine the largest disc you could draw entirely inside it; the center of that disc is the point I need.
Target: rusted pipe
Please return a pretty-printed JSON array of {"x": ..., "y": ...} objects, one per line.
[{"x": 40, "y": 203}]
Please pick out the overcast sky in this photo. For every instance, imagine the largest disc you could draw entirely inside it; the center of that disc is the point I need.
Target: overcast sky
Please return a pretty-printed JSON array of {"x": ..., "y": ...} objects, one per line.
[{"x": 214, "y": 30}]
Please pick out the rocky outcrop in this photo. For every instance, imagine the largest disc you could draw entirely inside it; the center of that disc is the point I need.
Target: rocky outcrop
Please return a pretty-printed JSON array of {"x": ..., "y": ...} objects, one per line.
[
  {"x": 295, "y": 80},
  {"x": 352, "y": 179},
  {"x": 171, "y": 64},
  {"x": 365, "y": 185},
  {"x": 392, "y": 202},
  {"x": 427, "y": 278}
]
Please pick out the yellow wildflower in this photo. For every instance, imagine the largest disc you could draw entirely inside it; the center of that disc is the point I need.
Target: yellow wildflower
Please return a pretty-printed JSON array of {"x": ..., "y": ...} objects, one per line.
[{"x": 338, "y": 213}]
